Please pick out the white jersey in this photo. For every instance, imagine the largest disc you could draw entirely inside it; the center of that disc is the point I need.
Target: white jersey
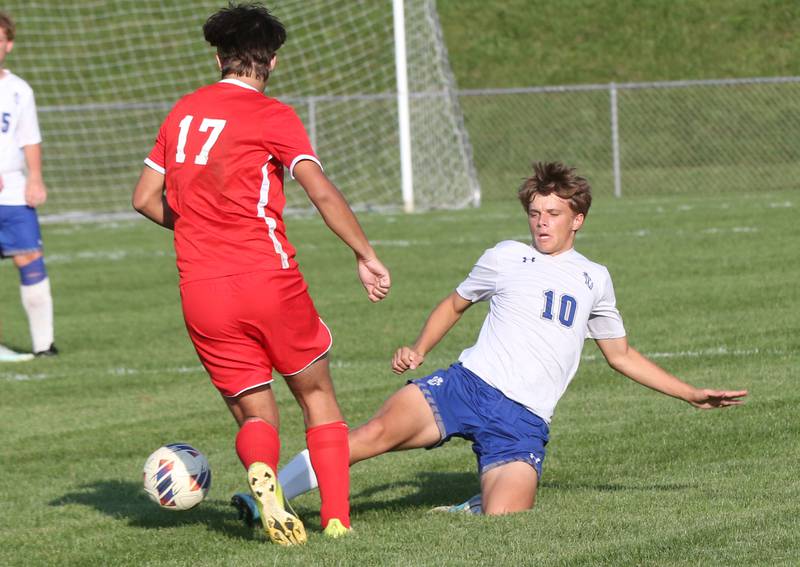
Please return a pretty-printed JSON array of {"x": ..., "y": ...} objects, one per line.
[
  {"x": 19, "y": 127},
  {"x": 541, "y": 309}
]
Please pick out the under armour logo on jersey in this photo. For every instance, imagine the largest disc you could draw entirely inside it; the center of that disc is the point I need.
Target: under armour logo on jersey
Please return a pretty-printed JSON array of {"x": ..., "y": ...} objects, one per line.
[
  {"x": 589, "y": 282},
  {"x": 535, "y": 459},
  {"x": 525, "y": 259},
  {"x": 435, "y": 381}
]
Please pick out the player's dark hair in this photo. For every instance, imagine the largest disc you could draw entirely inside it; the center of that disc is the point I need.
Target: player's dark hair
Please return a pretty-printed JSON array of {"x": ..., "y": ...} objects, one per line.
[
  {"x": 246, "y": 37},
  {"x": 555, "y": 177},
  {"x": 7, "y": 24}
]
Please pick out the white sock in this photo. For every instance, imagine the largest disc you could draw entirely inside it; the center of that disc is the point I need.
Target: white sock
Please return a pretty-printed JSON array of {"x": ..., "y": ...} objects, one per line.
[
  {"x": 38, "y": 304},
  {"x": 297, "y": 477}
]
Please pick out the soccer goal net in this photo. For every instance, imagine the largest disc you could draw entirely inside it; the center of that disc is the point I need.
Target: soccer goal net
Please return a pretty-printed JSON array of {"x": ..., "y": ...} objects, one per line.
[{"x": 106, "y": 73}]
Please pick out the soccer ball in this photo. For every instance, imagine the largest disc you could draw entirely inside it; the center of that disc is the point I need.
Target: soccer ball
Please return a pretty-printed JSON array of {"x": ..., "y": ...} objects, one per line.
[{"x": 177, "y": 476}]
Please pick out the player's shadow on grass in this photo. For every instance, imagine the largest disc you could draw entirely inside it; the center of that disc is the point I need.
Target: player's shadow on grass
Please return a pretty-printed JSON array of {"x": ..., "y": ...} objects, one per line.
[
  {"x": 440, "y": 488},
  {"x": 126, "y": 501},
  {"x": 431, "y": 489}
]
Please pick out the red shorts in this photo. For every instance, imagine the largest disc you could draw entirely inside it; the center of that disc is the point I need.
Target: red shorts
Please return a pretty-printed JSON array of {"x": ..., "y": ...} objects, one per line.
[{"x": 243, "y": 326}]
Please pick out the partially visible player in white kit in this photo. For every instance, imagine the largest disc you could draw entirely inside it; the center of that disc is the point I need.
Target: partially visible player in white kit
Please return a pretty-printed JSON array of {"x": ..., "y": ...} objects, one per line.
[
  {"x": 22, "y": 189},
  {"x": 545, "y": 299}
]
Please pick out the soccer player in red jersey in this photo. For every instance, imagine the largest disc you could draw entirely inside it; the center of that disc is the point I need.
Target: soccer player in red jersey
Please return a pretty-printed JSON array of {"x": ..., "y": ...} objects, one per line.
[{"x": 215, "y": 176}]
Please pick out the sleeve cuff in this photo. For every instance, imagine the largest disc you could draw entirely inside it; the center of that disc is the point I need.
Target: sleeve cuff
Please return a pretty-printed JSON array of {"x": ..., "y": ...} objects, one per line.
[
  {"x": 300, "y": 158},
  {"x": 464, "y": 294},
  {"x": 153, "y": 165}
]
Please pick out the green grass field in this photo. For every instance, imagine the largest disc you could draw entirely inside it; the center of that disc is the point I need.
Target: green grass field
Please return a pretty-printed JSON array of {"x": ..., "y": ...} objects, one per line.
[
  {"x": 520, "y": 43},
  {"x": 707, "y": 287}
]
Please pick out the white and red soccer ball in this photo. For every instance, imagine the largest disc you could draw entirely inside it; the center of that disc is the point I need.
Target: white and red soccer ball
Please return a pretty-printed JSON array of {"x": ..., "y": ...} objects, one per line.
[{"x": 177, "y": 476}]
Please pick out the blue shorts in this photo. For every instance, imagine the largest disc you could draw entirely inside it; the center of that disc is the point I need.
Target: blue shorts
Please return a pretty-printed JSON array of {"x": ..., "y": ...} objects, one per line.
[
  {"x": 19, "y": 230},
  {"x": 501, "y": 430}
]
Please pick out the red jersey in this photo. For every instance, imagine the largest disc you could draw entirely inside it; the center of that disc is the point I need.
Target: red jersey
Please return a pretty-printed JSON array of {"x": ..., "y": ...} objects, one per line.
[{"x": 223, "y": 150}]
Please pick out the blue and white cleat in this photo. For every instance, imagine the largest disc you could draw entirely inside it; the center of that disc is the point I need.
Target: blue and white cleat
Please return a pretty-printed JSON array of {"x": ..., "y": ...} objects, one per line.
[
  {"x": 472, "y": 506},
  {"x": 8, "y": 355},
  {"x": 247, "y": 509}
]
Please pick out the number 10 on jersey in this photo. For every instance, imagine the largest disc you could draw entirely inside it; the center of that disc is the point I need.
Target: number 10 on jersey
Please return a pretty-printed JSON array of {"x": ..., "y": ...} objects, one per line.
[
  {"x": 214, "y": 124},
  {"x": 566, "y": 309}
]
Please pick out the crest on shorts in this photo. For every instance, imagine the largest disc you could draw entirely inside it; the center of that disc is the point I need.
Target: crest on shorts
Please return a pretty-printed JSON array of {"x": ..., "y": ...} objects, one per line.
[{"x": 435, "y": 381}]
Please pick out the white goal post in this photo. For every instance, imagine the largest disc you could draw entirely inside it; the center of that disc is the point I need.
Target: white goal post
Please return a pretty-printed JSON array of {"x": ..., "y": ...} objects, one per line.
[{"x": 370, "y": 79}]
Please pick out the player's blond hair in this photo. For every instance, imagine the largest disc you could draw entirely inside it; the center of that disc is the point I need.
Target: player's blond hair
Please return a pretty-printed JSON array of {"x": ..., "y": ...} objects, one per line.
[
  {"x": 555, "y": 177},
  {"x": 7, "y": 25}
]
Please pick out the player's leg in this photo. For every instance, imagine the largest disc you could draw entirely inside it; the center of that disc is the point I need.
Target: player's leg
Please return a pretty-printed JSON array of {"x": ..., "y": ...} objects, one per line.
[
  {"x": 314, "y": 392},
  {"x": 22, "y": 241},
  {"x": 297, "y": 341},
  {"x": 327, "y": 441},
  {"x": 217, "y": 314},
  {"x": 404, "y": 421},
  {"x": 510, "y": 446},
  {"x": 6, "y": 354},
  {"x": 509, "y": 442},
  {"x": 504, "y": 489},
  {"x": 257, "y": 415},
  {"x": 37, "y": 301},
  {"x": 258, "y": 447},
  {"x": 508, "y": 488}
]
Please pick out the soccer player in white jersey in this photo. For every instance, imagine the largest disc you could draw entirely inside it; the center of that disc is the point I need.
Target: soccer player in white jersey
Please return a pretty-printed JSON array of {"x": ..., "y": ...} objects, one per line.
[
  {"x": 22, "y": 189},
  {"x": 544, "y": 299}
]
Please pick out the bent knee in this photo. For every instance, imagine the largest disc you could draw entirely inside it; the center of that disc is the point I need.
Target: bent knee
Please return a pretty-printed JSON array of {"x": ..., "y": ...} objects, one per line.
[
  {"x": 22, "y": 260},
  {"x": 373, "y": 432}
]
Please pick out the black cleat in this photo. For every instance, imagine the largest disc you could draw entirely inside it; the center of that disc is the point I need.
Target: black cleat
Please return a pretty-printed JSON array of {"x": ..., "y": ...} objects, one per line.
[
  {"x": 52, "y": 351},
  {"x": 246, "y": 508}
]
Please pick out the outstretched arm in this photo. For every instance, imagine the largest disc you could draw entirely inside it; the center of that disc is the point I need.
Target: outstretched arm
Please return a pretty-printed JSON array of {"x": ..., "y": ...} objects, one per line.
[
  {"x": 439, "y": 322},
  {"x": 628, "y": 361},
  {"x": 149, "y": 198},
  {"x": 340, "y": 219}
]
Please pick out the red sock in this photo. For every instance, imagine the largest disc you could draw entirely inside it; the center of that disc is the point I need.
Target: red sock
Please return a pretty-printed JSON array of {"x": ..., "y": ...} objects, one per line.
[
  {"x": 257, "y": 441},
  {"x": 329, "y": 451}
]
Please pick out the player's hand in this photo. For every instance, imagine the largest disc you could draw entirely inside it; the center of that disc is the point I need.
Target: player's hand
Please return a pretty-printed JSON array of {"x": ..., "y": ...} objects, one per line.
[
  {"x": 406, "y": 358},
  {"x": 708, "y": 399},
  {"x": 375, "y": 277},
  {"x": 35, "y": 193}
]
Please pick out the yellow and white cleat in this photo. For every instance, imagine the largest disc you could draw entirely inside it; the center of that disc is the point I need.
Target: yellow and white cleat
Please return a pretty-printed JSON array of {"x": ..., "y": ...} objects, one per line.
[
  {"x": 336, "y": 528},
  {"x": 282, "y": 527}
]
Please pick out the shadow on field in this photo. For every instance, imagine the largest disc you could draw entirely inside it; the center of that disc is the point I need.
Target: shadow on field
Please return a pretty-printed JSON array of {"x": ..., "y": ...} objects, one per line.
[
  {"x": 126, "y": 501},
  {"x": 442, "y": 488},
  {"x": 430, "y": 489}
]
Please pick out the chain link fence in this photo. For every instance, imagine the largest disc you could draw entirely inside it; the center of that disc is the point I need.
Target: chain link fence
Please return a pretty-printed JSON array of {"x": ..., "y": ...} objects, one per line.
[{"x": 632, "y": 139}]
